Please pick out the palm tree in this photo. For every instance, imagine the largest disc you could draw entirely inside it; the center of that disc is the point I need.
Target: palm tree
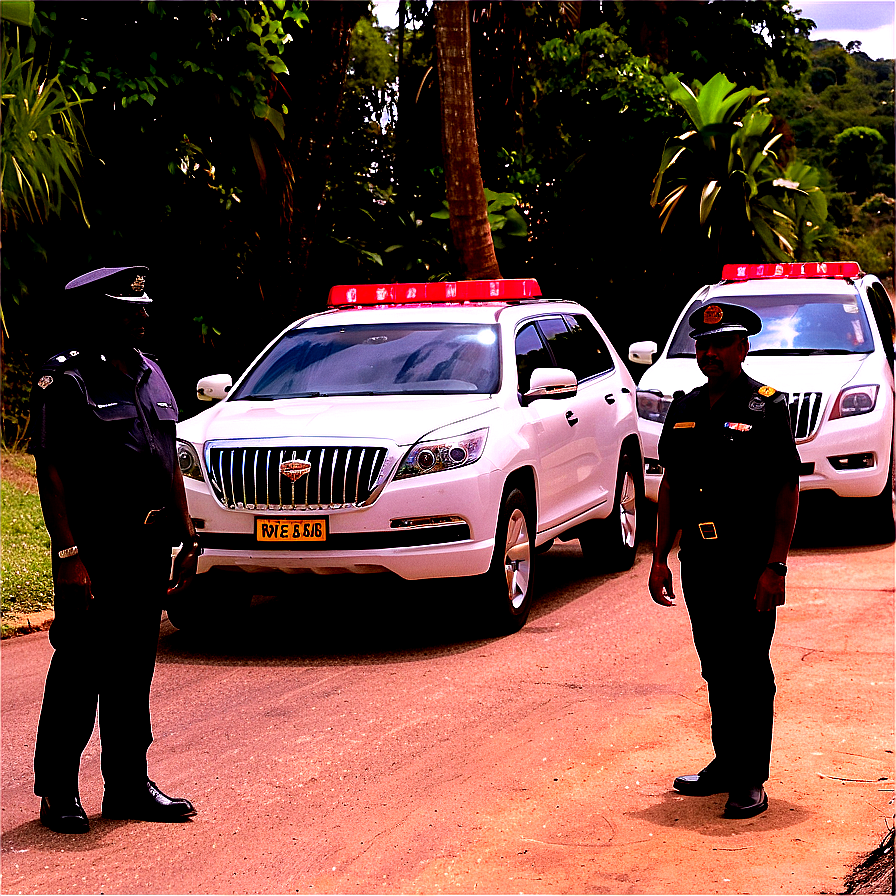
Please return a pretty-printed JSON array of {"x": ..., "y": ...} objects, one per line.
[
  {"x": 467, "y": 205},
  {"x": 725, "y": 174}
]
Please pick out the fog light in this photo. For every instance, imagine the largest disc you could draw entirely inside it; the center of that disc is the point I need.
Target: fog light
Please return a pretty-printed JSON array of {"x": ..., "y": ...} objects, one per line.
[{"x": 853, "y": 461}]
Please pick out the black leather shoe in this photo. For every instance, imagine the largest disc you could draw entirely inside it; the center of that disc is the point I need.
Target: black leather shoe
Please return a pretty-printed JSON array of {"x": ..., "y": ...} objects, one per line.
[
  {"x": 146, "y": 803},
  {"x": 65, "y": 815},
  {"x": 745, "y": 802},
  {"x": 702, "y": 784}
]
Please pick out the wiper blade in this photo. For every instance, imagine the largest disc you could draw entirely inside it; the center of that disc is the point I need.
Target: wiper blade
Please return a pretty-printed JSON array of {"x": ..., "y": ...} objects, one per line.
[
  {"x": 802, "y": 351},
  {"x": 279, "y": 396}
]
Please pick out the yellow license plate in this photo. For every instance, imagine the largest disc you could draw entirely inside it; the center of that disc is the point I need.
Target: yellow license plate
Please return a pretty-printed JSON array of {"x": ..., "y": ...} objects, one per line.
[{"x": 291, "y": 530}]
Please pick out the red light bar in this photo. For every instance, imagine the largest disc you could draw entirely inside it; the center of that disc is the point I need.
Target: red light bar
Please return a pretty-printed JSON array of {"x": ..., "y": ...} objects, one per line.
[
  {"x": 445, "y": 291},
  {"x": 796, "y": 270}
]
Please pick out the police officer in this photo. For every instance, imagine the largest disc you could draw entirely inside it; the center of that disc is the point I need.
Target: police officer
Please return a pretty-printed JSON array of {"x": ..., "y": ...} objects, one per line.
[
  {"x": 731, "y": 487},
  {"x": 114, "y": 504}
]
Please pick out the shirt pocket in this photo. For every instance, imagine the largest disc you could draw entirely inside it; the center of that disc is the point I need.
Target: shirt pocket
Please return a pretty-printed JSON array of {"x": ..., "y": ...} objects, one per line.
[
  {"x": 165, "y": 411},
  {"x": 114, "y": 412}
]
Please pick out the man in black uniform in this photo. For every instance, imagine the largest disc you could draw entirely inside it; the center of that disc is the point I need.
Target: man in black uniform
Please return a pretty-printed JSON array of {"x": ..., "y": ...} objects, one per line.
[
  {"x": 114, "y": 504},
  {"x": 731, "y": 486}
]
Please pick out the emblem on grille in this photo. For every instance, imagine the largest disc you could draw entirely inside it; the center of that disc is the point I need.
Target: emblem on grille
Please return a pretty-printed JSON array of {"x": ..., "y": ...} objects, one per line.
[{"x": 294, "y": 470}]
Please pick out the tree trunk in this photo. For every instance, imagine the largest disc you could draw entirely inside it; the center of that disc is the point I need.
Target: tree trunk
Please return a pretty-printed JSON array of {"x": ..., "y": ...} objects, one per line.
[
  {"x": 316, "y": 85},
  {"x": 467, "y": 205}
]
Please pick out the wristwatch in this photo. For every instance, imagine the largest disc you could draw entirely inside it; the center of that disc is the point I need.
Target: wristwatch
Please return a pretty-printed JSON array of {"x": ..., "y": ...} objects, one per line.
[
  {"x": 65, "y": 553},
  {"x": 779, "y": 568}
]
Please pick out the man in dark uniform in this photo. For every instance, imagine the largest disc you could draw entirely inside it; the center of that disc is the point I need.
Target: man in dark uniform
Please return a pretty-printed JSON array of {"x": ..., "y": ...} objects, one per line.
[
  {"x": 731, "y": 487},
  {"x": 114, "y": 504}
]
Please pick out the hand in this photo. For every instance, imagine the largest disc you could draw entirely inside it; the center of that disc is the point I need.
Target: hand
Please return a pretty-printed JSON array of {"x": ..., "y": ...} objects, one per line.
[
  {"x": 71, "y": 584},
  {"x": 660, "y": 584},
  {"x": 769, "y": 591},
  {"x": 184, "y": 567}
]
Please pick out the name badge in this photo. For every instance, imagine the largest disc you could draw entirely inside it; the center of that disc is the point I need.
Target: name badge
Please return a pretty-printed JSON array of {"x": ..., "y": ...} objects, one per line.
[{"x": 684, "y": 426}]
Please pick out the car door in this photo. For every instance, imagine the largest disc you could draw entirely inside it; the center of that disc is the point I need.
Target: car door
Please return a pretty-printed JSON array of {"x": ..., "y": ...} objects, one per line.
[
  {"x": 599, "y": 407},
  {"x": 566, "y": 451}
]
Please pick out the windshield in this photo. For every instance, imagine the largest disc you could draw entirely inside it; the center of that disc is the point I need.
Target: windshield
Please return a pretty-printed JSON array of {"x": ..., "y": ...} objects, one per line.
[
  {"x": 795, "y": 325},
  {"x": 377, "y": 359}
]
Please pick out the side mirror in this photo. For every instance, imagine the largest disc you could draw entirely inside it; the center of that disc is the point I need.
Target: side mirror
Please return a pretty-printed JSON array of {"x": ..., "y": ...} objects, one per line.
[
  {"x": 642, "y": 352},
  {"x": 214, "y": 388},
  {"x": 551, "y": 382}
]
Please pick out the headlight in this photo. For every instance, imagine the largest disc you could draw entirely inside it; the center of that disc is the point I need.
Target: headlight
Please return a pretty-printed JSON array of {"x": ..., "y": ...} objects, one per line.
[
  {"x": 653, "y": 405},
  {"x": 188, "y": 461},
  {"x": 854, "y": 401},
  {"x": 443, "y": 454}
]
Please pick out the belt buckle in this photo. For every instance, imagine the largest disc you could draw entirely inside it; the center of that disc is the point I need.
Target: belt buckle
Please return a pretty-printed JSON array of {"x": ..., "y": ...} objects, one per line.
[
  {"x": 708, "y": 531},
  {"x": 151, "y": 516}
]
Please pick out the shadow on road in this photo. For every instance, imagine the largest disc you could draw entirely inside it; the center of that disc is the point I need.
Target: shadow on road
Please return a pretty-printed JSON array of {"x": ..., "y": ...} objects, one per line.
[{"x": 350, "y": 619}]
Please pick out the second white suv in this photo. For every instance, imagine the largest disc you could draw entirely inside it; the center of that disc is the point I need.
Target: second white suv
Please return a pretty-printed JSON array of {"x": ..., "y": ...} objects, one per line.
[
  {"x": 827, "y": 342},
  {"x": 430, "y": 430}
]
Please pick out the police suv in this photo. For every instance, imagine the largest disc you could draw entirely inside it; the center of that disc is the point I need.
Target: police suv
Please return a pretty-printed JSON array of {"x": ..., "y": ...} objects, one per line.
[
  {"x": 827, "y": 342},
  {"x": 428, "y": 430}
]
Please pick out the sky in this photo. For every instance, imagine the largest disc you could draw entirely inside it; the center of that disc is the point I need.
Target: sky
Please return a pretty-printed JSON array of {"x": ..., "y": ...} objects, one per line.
[{"x": 870, "y": 21}]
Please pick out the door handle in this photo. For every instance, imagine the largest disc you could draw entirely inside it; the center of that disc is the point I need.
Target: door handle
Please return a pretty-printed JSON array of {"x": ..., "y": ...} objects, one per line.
[
  {"x": 571, "y": 418},
  {"x": 610, "y": 398}
]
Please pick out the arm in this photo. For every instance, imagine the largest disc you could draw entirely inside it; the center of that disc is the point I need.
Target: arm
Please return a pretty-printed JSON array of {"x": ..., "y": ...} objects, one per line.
[
  {"x": 770, "y": 590},
  {"x": 187, "y": 558},
  {"x": 71, "y": 581},
  {"x": 660, "y": 582}
]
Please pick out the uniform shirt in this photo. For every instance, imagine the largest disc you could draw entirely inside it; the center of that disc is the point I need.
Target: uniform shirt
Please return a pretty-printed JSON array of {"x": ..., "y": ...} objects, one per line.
[
  {"x": 727, "y": 463},
  {"x": 111, "y": 437}
]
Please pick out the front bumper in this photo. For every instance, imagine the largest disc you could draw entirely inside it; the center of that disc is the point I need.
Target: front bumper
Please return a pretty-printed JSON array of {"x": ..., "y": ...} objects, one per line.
[
  {"x": 437, "y": 526},
  {"x": 869, "y": 437}
]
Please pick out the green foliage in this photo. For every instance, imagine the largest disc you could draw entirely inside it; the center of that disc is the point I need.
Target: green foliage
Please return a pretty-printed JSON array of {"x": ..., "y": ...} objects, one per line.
[
  {"x": 504, "y": 220},
  {"x": 40, "y": 155},
  {"x": 726, "y": 171},
  {"x": 27, "y": 581}
]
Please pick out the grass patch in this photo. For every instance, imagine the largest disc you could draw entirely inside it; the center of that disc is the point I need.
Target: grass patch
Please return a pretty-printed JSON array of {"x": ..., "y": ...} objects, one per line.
[{"x": 26, "y": 585}]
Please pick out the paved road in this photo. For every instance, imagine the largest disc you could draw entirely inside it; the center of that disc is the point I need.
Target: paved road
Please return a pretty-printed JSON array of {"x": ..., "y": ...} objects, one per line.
[{"x": 370, "y": 743}]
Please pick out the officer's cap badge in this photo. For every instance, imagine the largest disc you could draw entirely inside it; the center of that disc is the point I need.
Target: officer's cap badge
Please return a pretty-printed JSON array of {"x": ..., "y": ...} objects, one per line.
[
  {"x": 767, "y": 391},
  {"x": 138, "y": 285},
  {"x": 712, "y": 314}
]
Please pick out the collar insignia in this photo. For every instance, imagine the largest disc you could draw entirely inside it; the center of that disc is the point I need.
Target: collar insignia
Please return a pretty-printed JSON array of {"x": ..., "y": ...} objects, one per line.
[
  {"x": 766, "y": 391},
  {"x": 712, "y": 314},
  {"x": 45, "y": 381},
  {"x": 294, "y": 470}
]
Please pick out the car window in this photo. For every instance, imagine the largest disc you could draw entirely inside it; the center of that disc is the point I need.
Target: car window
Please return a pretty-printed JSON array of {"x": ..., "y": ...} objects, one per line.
[
  {"x": 882, "y": 309},
  {"x": 795, "y": 325},
  {"x": 530, "y": 354},
  {"x": 377, "y": 359},
  {"x": 589, "y": 353}
]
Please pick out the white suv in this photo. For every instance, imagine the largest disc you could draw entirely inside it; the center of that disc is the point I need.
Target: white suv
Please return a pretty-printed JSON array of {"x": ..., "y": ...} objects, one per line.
[
  {"x": 827, "y": 342},
  {"x": 430, "y": 430}
]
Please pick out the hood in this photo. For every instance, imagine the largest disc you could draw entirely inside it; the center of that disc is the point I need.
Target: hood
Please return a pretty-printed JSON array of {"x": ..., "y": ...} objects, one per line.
[
  {"x": 402, "y": 419},
  {"x": 802, "y": 373}
]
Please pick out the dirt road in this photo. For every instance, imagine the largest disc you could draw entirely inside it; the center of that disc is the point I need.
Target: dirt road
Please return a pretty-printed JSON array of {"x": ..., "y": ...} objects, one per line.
[{"x": 364, "y": 744}]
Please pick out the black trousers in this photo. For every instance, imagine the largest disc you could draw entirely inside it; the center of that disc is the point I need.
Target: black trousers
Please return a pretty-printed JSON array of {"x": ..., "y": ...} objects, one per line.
[
  {"x": 733, "y": 641},
  {"x": 104, "y": 660}
]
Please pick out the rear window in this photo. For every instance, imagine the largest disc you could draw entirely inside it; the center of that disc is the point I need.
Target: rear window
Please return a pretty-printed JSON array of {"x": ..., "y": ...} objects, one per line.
[{"x": 795, "y": 325}]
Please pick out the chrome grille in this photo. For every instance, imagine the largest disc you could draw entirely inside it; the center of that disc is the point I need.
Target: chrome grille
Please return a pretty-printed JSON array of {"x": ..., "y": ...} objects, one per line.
[
  {"x": 805, "y": 413},
  {"x": 250, "y": 479}
]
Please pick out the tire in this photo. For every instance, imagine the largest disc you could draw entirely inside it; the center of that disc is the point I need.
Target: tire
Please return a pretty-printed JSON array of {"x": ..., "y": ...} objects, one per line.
[
  {"x": 614, "y": 540},
  {"x": 210, "y": 603},
  {"x": 507, "y": 586},
  {"x": 882, "y": 509}
]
